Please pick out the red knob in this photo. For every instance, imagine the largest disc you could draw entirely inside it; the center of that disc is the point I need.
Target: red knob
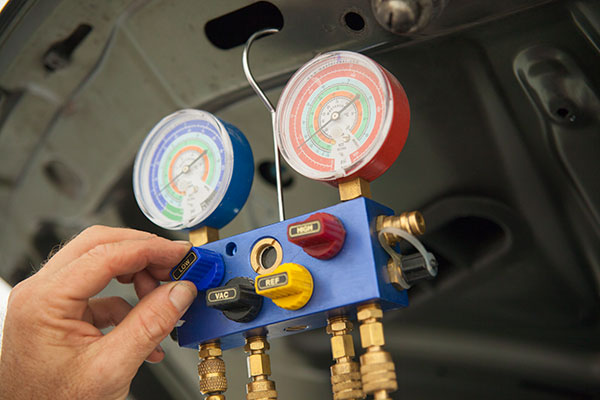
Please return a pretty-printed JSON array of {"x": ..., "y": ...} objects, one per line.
[{"x": 321, "y": 235}]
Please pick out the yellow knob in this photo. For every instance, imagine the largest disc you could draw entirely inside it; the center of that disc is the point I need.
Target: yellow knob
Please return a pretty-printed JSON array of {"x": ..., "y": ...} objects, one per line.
[{"x": 290, "y": 286}]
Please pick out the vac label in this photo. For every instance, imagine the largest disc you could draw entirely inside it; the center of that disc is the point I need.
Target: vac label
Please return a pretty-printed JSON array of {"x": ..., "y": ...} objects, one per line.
[
  {"x": 183, "y": 266},
  {"x": 216, "y": 296},
  {"x": 272, "y": 281},
  {"x": 304, "y": 229}
]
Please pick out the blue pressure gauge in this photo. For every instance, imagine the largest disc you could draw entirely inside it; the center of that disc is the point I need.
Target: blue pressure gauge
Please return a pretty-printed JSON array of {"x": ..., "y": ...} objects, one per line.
[{"x": 193, "y": 170}]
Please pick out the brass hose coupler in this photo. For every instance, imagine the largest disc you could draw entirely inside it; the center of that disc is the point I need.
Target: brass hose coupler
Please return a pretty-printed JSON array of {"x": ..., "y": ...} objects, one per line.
[
  {"x": 211, "y": 371},
  {"x": 345, "y": 373},
  {"x": 259, "y": 369},
  {"x": 411, "y": 222},
  {"x": 376, "y": 365}
]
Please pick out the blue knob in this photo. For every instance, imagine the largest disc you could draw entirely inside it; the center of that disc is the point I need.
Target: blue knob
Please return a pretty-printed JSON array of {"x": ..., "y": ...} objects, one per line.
[{"x": 203, "y": 267}]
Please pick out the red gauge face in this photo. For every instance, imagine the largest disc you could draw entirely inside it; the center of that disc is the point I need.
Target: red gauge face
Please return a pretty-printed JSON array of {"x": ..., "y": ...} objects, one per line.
[{"x": 342, "y": 116}]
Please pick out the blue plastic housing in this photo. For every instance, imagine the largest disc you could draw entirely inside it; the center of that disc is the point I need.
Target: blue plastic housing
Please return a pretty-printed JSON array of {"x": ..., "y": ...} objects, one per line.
[
  {"x": 241, "y": 181},
  {"x": 356, "y": 275}
]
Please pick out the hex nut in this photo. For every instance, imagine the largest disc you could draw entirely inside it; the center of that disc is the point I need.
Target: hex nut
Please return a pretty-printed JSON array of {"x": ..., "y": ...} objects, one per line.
[
  {"x": 339, "y": 326},
  {"x": 342, "y": 346},
  {"x": 259, "y": 364},
  {"x": 369, "y": 311},
  {"x": 205, "y": 352},
  {"x": 394, "y": 275},
  {"x": 372, "y": 334},
  {"x": 254, "y": 345}
]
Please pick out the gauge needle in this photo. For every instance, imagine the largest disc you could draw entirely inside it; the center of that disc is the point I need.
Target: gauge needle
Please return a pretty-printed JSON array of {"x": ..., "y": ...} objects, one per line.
[
  {"x": 184, "y": 170},
  {"x": 334, "y": 116}
]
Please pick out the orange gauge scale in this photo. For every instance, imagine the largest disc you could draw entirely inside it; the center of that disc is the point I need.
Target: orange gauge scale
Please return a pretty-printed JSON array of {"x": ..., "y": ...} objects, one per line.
[
  {"x": 188, "y": 152},
  {"x": 342, "y": 116}
]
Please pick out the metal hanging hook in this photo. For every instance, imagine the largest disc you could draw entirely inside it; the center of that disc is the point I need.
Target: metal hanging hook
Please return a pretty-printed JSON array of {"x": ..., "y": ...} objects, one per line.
[{"x": 269, "y": 107}]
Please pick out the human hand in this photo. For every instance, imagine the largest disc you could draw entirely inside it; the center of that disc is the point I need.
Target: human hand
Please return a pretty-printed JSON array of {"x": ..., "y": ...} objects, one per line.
[{"x": 52, "y": 344}]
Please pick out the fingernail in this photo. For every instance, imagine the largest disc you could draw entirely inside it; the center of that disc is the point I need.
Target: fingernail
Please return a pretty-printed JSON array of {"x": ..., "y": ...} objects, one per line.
[
  {"x": 183, "y": 242},
  {"x": 182, "y": 295},
  {"x": 159, "y": 349}
]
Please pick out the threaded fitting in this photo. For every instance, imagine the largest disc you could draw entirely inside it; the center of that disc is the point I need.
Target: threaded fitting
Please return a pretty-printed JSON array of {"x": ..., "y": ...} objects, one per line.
[
  {"x": 411, "y": 222},
  {"x": 211, "y": 371},
  {"x": 259, "y": 369},
  {"x": 376, "y": 366},
  {"x": 345, "y": 374}
]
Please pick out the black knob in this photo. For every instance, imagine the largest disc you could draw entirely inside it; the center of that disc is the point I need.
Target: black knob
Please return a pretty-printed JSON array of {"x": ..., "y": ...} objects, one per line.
[{"x": 237, "y": 299}]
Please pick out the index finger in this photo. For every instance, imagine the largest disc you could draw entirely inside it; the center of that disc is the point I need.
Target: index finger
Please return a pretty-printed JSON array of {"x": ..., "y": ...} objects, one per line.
[
  {"x": 87, "y": 240},
  {"x": 89, "y": 274}
]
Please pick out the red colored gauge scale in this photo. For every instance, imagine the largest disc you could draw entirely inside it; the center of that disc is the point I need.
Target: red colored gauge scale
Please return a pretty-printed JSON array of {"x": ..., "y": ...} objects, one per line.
[{"x": 342, "y": 116}]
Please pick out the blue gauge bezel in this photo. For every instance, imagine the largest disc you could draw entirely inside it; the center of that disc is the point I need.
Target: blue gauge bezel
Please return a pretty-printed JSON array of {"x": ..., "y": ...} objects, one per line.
[{"x": 240, "y": 177}]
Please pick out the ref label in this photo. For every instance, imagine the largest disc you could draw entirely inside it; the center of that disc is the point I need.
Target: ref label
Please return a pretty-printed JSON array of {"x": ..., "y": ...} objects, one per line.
[
  {"x": 226, "y": 294},
  {"x": 304, "y": 229},
  {"x": 183, "y": 266},
  {"x": 272, "y": 281}
]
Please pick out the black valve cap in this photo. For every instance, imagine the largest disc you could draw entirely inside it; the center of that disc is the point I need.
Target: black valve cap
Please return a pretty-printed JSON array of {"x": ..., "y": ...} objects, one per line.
[{"x": 237, "y": 299}]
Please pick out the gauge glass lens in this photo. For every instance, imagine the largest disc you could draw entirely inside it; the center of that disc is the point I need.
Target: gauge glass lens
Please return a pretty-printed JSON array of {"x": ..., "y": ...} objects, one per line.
[
  {"x": 183, "y": 169},
  {"x": 334, "y": 115}
]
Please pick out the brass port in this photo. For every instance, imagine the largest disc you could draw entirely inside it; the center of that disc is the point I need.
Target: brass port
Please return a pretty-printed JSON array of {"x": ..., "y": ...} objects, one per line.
[
  {"x": 203, "y": 235},
  {"x": 211, "y": 371},
  {"x": 345, "y": 373},
  {"x": 376, "y": 366},
  {"x": 259, "y": 369},
  {"x": 266, "y": 255},
  {"x": 355, "y": 188},
  {"x": 411, "y": 222}
]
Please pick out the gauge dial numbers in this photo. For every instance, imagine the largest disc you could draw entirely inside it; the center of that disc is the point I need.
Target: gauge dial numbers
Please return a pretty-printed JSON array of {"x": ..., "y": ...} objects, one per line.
[
  {"x": 342, "y": 116},
  {"x": 185, "y": 167}
]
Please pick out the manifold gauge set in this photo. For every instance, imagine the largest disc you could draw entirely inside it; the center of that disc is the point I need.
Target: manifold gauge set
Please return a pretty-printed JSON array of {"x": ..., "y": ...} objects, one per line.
[{"x": 342, "y": 119}]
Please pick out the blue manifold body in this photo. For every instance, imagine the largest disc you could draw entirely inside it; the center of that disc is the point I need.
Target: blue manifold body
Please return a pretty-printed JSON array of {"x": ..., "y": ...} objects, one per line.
[{"x": 357, "y": 274}]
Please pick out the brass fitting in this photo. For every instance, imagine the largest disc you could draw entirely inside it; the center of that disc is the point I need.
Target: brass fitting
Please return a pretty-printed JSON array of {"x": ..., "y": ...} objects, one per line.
[
  {"x": 345, "y": 373},
  {"x": 355, "y": 188},
  {"x": 203, "y": 235},
  {"x": 211, "y": 371},
  {"x": 411, "y": 222},
  {"x": 259, "y": 369},
  {"x": 376, "y": 365}
]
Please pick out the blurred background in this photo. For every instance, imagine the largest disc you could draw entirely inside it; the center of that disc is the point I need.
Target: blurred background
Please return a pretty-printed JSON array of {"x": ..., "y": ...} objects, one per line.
[{"x": 502, "y": 159}]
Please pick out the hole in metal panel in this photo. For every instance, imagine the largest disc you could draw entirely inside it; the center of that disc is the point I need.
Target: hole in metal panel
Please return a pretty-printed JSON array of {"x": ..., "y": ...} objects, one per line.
[
  {"x": 233, "y": 29},
  {"x": 59, "y": 54},
  {"x": 230, "y": 249},
  {"x": 354, "y": 21}
]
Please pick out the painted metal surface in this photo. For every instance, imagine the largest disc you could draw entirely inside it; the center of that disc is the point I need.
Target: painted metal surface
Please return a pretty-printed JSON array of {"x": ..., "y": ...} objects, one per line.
[{"x": 356, "y": 275}]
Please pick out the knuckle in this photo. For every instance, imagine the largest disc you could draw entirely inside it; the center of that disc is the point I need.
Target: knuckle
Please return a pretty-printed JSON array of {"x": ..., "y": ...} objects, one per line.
[
  {"x": 19, "y": 295},
  {"x": 101, "y": 251},
  {"x": 94, "y": 231}
]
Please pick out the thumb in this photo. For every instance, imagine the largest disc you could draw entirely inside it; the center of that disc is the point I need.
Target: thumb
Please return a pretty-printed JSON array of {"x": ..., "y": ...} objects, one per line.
[{"x": 147, "y": 324}]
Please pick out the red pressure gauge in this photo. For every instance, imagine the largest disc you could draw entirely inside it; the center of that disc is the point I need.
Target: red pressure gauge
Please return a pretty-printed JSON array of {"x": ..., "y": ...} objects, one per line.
[{"x": 342, "y": 116}]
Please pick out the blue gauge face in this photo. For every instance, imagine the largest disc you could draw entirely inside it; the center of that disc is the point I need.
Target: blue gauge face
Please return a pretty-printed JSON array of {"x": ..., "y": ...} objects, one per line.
[{"x": 184, "y": 168}]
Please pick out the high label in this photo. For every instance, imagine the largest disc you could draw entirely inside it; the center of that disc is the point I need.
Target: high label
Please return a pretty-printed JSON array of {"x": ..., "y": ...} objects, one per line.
[{"x": 305, "y": 229}]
